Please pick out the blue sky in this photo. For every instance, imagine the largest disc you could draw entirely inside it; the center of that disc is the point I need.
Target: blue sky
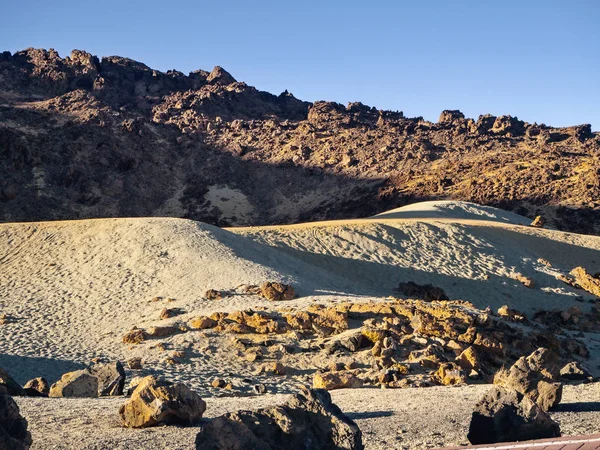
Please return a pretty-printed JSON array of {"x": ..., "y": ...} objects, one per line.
[{"x": 538, "y": 60}]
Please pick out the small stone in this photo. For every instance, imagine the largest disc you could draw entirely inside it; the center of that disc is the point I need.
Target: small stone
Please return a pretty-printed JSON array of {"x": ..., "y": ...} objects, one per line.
[
  {"x": 538, "y": 222},
  {"x": 259, "y": 388},
  {"x": 218, "y": 383},
  {"x": 275, "y": 291},
  {"x": 135, "y": 363},
  {"x": 213, "y": 294}
]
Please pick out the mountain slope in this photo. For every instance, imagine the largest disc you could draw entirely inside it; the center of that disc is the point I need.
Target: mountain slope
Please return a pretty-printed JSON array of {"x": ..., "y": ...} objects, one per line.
[{"x": 82, "y": 137}]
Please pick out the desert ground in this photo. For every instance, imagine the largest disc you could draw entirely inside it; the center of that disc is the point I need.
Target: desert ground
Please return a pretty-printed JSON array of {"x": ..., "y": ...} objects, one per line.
[{"x": 72, "y": 289}]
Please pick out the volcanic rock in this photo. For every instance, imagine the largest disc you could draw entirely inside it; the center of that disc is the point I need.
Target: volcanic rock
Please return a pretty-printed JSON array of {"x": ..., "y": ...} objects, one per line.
[
  {"x": 156, "y": 402},
  {"x": 7, "y": 382},
  {"x": 79, "y": 383},
  {"x": 13, "y": 427},
  {"x": 277, "y": 291},
  {"x": 39, "y": 385},
  {"x": 336, "y": 380},
  {"x": 308, "y": 421},
  {"x": 536, "y": 377},
  {"x": 111, "y": 378},
  {"x": 504, "y": 415}
]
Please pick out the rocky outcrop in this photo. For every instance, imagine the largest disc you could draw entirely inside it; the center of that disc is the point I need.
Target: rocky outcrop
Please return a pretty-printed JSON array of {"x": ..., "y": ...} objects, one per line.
[
  {"x": 104, "y": 137},
  {"x": 13, "y": 427},
  {"x": 156, "y": 401},
  {"x": 535, "y": 376},
  {"x": 505, "y": 415},
  {"x": 308, "y": 421}
]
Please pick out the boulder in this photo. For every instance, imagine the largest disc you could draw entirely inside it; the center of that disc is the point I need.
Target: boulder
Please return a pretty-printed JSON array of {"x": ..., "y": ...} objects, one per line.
[
  {"x": 111, "y": 378},
  {"x": 534, "y": 376},
  {"x": 162, "y": 331},
  {"x": 586, "y": 281},
  {"x": 505, "y": 415},
  {"x": 13, "y": 427},
  {"x": 336, "y": 380},
  {"x": 449, "y": 374},
  {"x": 7, "y": 382},
  {"x": 79, "y": 383},
  {"x": 538, "y": 222},
  {"x": 574, "y": 371},
  {"x": 202, "y": 323},
  {"x": 468, "y": 359},
  {"x": 135, "y": 336},
  {"x": 308, "y": 421},
  {"x": 449, "y": 117},
  {"x": 277, "y": 291},
  {"x": 156, "y": 401},
  {"x": 213, "y": 294},
  {"x": 135, "y": 363},
  {"x": 37, "y": 387}
]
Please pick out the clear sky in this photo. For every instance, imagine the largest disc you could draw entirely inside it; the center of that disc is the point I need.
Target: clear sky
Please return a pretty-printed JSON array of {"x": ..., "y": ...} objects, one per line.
[{"x": 536, "y": 59}]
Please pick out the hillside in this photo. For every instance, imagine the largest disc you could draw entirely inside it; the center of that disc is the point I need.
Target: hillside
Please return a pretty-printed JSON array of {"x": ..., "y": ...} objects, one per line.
[{"x": 83, "y": 137}]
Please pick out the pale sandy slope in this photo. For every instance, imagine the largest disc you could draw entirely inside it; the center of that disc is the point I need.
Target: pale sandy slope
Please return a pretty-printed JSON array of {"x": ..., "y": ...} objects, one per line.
[{"x": 73, "y": 288}]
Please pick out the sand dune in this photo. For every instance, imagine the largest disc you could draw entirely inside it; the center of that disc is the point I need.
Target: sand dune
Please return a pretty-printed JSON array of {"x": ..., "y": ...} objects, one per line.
[{"x": 73, "y": 288}]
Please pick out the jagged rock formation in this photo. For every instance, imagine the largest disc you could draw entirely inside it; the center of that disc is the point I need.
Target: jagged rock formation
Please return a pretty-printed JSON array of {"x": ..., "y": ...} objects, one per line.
[{"x": 87, "y": 137}]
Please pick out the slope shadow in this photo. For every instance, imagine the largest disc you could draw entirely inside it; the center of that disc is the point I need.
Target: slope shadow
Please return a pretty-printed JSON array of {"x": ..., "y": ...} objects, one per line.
[
  {"x": 336, "y": 274},
  {"x": 24, "y": 368}
]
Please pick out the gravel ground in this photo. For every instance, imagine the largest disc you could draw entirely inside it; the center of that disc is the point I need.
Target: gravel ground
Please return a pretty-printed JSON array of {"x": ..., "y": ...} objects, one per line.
[{"x": 399, "y": 419}]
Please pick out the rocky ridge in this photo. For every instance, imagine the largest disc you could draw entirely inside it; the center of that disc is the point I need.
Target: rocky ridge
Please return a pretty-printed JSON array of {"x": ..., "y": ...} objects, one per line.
[{"x": 87, "y": 137}]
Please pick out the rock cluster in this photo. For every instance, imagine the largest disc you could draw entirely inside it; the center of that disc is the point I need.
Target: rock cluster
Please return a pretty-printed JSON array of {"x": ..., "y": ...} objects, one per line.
[
  {"x": 103, "y": 379},
  {"x": 396, "y": 343}
]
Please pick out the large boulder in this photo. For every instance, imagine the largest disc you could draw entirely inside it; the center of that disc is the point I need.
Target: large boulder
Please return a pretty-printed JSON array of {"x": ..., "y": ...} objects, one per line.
[
  {"x": 505, "y": 415},
  {"x": 13, "y": 427},
  {"x": 535, "y": 376},
  {"x": 79, "y": 383},
  {"x": 156, "y": 401},
  {"x": 111, "y": 378},
  {"x": 9, "y": 384},
  {"x": 308, "y": 421}
]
